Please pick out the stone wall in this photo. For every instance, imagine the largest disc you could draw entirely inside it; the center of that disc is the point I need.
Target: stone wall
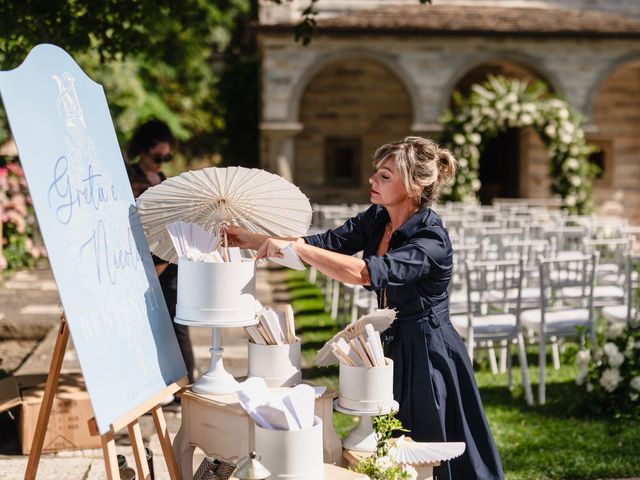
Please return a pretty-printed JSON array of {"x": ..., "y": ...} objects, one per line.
[
  {"x": 616, "y": 119},
  {"x": 355, "y": 98},
  {"x": 429, "y": 68}
]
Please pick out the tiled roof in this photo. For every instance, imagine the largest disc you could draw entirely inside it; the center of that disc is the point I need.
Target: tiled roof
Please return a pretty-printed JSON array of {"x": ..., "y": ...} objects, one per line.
[{"x": 480, "y": 19}]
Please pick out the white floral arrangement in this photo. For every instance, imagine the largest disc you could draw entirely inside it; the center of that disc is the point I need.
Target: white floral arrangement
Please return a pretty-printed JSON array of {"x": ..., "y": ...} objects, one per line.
[
  {"x": 501, "y": 103},
  {"x": 611, "y": 376},
  {"x": 380, "y": 465}
]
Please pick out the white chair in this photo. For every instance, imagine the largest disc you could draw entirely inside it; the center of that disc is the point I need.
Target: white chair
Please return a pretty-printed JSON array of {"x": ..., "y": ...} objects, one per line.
[
  {"x": 559, "y": 315},
  {"x": 569, "y": 239},
  {"x": 488, "y": 320},
  {"x": 627, "y": 313},
  {"x": 457, "y": 284},
  {"x": 492, "y": 238},
  {"x": 610, "y": 272},
  {"x": 358, "y": 301}
]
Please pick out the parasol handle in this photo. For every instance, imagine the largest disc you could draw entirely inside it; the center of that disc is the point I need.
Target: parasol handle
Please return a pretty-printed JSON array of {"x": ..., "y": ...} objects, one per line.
[{"x": 225, "y": 249}]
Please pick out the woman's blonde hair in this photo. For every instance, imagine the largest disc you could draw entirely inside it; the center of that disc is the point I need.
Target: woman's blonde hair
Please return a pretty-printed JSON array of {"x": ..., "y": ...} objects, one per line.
[{"x": 424, "y": 166}]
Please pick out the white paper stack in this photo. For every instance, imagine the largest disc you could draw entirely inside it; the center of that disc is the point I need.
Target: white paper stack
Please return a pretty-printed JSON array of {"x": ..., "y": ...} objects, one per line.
[
  {"x": 291, "y": 409},
  {"x": 273, "y": 328},
  {"x": 360, "y": 345},
  {"x": 194, "y": 243},
  {"x": 361, "y": 351}
]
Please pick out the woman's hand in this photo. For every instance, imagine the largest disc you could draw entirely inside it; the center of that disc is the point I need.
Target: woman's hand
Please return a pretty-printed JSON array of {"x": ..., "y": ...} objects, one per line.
[
  {"x": 243, "y": 238},
  {"x": 272, "y": 247}
]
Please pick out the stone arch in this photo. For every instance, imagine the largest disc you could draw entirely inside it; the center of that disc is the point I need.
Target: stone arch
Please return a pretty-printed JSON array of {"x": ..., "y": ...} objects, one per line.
[
  {"x": 324, "y": 61},
  {"x": 525, "y": 62},
  {"x": 524, "y": 160},
  {"x": 348, "y": 109},
  {"x": 606, "y": 73},
  {"x": 615, "y": 122},
  {"x": 502, "y": 103}
]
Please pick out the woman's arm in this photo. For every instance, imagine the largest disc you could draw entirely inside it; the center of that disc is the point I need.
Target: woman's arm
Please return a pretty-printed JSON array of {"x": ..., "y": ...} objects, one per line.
[
  {"x": 343, "y": 268},
  {"x": 243, "y": 238}
]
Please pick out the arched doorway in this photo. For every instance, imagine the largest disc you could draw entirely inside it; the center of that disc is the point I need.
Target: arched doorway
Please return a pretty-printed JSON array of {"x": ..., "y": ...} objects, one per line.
[
  {"x": 615, "y": 120},
  {"x": 348, "y": 109},
  {"x": 499, "y": 166},
  {"x": 514, "y": 163}
]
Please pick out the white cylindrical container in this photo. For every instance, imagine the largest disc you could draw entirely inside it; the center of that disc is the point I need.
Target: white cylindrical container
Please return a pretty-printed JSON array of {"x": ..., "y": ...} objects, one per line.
[
  {"x": 221, "y": 293},
  {"x": 366, "y": 389},
  {"x": 279, "y": 365},
  {"x": 292, "y": 454}
]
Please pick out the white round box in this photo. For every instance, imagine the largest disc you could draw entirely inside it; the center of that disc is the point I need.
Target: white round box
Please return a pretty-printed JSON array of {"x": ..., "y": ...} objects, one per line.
[
  {"x": 292, "y": 454},
  {"x": 366, "y": 389},
  {"x": 217, "y": 293},
  {"x": 279, "y": 365}
]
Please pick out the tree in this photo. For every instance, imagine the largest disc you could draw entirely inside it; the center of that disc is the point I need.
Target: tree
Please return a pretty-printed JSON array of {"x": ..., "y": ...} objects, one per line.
[
  {"x": 156, "y": 59},
  {"x": 192, "y": 63}
]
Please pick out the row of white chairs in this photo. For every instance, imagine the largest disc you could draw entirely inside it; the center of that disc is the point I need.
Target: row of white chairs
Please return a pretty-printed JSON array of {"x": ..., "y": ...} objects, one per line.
[{"x": 525, "y": 261}]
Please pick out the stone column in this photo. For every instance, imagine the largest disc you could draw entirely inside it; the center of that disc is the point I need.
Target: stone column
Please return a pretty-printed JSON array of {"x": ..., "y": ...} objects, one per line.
[{"x": 277, "y": 147}]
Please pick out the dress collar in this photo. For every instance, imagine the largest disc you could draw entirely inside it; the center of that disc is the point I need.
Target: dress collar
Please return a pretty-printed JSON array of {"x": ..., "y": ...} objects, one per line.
[{"x": 409, "y": 227}]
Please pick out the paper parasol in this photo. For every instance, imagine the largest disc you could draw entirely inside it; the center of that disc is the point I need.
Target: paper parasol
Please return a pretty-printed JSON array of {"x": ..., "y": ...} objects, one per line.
[
  {"x": 380, "y": 319},
  {"x": 254, "y": 199},
  {"x": 404, "y": 450}
]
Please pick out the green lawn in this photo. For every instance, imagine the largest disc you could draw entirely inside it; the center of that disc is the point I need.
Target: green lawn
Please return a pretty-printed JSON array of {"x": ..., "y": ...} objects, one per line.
[{"x": 558, "y": 441}]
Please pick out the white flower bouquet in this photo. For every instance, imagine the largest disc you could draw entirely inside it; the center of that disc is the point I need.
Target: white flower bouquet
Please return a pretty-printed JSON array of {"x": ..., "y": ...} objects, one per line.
[{"x": 611, "y": 376}]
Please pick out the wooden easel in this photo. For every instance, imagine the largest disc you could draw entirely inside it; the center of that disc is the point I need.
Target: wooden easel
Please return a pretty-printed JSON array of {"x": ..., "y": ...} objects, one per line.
[{"x": 130, "y": 420}]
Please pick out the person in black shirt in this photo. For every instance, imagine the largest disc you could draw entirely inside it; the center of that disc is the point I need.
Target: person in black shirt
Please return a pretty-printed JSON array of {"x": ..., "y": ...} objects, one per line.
[{"x": 152, "y": 145}]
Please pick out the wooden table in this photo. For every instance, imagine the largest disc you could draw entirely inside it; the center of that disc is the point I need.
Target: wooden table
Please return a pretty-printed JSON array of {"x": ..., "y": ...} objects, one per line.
[
  {"x": 331, "y": 472},
  {"x": 220, "y": 427}
]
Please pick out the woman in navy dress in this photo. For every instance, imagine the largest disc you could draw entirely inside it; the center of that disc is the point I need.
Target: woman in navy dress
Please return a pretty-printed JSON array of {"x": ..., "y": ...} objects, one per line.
[{"x": 407, "y": 260}]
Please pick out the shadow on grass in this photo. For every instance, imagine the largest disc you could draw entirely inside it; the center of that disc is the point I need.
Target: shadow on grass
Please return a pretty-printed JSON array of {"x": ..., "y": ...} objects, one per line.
[
  {"x": 309, "y": 311},
  {"x": 292, "y": 286},
  {"x": 329, "y": 329},
  {"x": 317, "y": 372},
  {"x": 562, "y": 400},
  {"x": 302, "y": 296},
  {"x": 313, "y": 346}
]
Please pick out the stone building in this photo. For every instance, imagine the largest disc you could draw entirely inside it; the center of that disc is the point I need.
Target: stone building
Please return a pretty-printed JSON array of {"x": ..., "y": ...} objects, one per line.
[{"x": 379, "y": 70}]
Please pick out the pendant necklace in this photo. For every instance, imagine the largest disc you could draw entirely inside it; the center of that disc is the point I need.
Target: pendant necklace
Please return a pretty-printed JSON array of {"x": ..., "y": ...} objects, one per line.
[{"x": 383, "y": 301}]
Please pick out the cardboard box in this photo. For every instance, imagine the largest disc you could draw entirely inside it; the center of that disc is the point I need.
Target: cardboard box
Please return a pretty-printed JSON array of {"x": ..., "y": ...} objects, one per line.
[{"x": 68, "y": 427}]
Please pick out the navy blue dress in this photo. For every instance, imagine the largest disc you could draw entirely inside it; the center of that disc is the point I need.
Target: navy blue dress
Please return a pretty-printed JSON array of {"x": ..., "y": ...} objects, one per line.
[{"x": 433, "y": 376}]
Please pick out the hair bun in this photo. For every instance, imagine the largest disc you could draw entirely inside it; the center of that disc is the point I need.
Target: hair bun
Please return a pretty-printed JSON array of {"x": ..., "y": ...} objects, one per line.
[{"x": 446, "y": 166}]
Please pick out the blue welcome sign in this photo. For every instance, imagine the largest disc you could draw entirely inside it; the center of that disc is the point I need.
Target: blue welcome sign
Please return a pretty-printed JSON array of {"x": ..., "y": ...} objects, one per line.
[{"x": 114, "y": 307}]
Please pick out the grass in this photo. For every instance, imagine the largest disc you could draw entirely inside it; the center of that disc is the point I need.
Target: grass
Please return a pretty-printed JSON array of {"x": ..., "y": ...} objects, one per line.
[{"x": 560, "y": 440}]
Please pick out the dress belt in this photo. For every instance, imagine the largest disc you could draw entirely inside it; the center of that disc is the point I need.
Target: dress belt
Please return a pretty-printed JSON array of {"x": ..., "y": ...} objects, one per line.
[{"x": 431, "y": 315}]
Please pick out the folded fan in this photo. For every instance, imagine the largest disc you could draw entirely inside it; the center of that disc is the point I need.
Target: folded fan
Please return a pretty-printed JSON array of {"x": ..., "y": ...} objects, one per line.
[
  {"x": 404, "y": 450},
  {"x": 379, "y": 320}
]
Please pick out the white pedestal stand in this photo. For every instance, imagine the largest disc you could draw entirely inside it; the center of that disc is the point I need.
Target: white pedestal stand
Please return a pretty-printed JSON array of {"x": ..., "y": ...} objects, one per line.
[
  {"x": 362, "y": 437},
  {"x": 217, "y": 381}
]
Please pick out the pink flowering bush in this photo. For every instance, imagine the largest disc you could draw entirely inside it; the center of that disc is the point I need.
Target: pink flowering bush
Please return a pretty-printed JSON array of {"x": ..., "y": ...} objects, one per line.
[{"x": 18, "y": 221}]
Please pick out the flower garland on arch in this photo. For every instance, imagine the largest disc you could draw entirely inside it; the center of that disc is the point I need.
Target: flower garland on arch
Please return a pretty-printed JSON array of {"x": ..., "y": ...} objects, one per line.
[{"x": 501, "y": 103}]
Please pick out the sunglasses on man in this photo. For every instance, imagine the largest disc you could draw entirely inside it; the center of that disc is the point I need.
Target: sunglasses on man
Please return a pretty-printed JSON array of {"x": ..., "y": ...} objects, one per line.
[{"x": 157, "y": 158}]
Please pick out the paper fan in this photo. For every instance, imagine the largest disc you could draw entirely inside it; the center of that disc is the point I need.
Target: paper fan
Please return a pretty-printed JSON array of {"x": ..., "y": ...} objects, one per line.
[
  {"x": 380, "y": 319},
  {"x": 254, "y": 199},
  {"x": 404, "y": 450}
]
